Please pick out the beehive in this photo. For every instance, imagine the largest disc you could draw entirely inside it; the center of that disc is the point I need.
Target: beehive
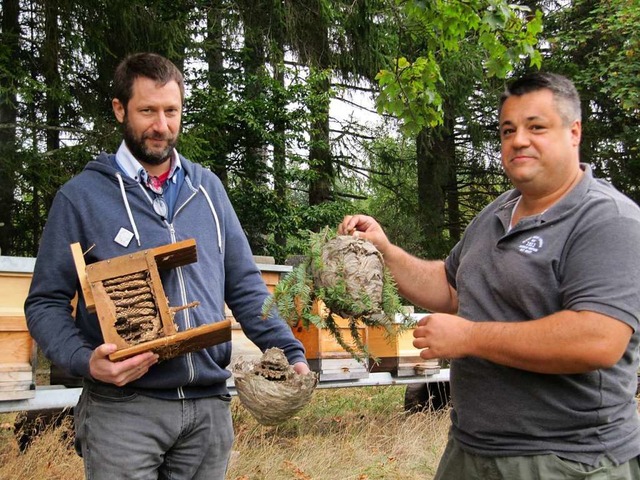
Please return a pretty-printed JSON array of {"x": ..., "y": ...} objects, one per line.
[
  {"x": 17, "y": 348},
  {"x": 395, "y": 353},
  {"x": 325, "y": 355}
]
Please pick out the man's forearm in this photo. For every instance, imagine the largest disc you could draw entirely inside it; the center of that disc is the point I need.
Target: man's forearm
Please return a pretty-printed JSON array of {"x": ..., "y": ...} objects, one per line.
[
  {"x": 563, "y": 343},
  {"x": 423, "y": 282}
]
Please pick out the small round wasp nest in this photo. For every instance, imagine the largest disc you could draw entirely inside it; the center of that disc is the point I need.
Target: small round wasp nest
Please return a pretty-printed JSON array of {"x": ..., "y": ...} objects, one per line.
[
  {"x": 270, "y": 388},
  {"x": 355, "y": 267},
  {"x": 274, "y": 365}
]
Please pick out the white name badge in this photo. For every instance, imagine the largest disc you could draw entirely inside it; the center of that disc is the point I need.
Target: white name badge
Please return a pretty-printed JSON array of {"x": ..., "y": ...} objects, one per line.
[{"x": 123, "y": 237}]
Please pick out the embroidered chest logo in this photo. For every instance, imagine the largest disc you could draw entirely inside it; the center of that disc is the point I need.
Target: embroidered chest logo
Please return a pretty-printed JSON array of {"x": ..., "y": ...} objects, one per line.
[{"x": 531, "y": 245}]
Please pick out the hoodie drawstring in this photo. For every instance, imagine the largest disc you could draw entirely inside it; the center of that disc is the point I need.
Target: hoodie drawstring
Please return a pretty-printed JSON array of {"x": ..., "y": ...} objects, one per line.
[
  {"x": 128, "y": 208},
  {"x": 135, "y": 228},
  {"x": 215, "y": 217}
]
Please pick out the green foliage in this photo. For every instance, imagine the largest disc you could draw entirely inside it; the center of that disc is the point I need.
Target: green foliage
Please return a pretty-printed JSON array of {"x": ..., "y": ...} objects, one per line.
[
  {"x": 597, "y": 45},
  {"x": 410, "y": 92},
  {"x": 394, "y": 202},
  {"x": 296, "y": 300},
  {"x": 412, "y": 89},
  {"x": 614, "y": 61},
  {"x": 253, "y": 117}
]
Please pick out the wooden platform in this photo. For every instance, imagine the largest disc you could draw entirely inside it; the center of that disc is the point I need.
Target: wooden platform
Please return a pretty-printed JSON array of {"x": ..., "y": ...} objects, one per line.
[
  {"x": 389, "y": 352},
  {"x": 396, "y": 353},
  {"x": 325, "y": 355}
]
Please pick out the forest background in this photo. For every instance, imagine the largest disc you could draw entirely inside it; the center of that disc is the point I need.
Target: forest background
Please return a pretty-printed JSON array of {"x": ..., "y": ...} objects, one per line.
[{"x": 281, "y": 94}]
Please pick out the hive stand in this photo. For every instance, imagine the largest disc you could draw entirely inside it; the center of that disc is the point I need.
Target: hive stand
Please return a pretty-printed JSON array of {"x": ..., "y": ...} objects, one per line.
[
  {"x": 169, "y": 342},
  {"x": 390, "y": 351},
  {"x": 395, "y": 352}
]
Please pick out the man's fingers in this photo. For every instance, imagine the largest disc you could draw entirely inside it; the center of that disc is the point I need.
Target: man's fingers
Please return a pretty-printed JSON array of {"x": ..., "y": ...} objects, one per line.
[
  {"x": 105, "y": 350},
  {"x": 350, "y": 224},
  {"x": 347, "y": 226},
  {"x": 423, "y": 321},
  {"x": 140, "y": 362}
]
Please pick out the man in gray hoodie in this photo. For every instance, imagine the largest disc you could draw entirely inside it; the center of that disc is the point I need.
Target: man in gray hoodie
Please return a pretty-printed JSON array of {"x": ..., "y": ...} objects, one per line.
[{"x": 138, "y": 418}]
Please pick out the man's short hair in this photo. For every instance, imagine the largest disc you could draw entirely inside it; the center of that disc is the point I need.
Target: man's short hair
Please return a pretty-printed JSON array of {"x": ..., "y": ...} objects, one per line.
[
  {"x": 147, "y": 65},
  {"x": 564, "y": 92}
]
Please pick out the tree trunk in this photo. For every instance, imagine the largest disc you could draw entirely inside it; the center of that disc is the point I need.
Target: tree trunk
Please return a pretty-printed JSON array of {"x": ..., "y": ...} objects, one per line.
[
  {"x": 50, "y": 58},
  {"x": 320, "y": 160},
  {"x": 436, "y": 161},
  {"x": 253, "y": 62},
  {"x": 453, "y": 205},
  {"x": 8, "y": 117},
  {"x": 214, "y": 58},
  {"x": 279, "y": 123},
  {"x": 318, "y": 55}
]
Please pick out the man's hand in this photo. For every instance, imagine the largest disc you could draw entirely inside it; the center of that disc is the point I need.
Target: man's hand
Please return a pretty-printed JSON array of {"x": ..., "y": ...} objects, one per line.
[
  {"x": 442, "y": 336},
  {"x": 301, "y": 368},
  {"x": 119, "y": 373},
  {"x": 422, "y": 282},
  {"x": 365, "y": 227}
]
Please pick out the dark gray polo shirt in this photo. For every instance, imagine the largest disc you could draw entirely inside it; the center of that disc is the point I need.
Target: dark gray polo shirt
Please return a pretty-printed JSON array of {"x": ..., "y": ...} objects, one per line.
[{"x": 583, "y": 253}]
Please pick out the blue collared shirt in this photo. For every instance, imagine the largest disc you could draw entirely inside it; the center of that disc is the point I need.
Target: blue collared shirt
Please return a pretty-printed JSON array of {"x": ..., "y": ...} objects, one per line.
[{"x": 131, "y": 167}]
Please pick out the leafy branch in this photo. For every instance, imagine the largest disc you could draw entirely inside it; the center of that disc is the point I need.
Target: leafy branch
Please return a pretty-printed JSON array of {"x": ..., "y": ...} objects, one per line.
[{"x": 341, "y": 277}]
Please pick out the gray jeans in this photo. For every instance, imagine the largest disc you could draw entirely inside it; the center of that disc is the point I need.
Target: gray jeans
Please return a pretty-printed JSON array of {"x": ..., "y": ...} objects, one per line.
[
  {"x": 124, "y": 435},
  {"x": 456, "y": 464}
]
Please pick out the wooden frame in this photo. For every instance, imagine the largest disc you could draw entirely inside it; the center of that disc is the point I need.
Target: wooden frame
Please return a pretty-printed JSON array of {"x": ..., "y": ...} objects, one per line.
[{"x": 170, "y": 343}]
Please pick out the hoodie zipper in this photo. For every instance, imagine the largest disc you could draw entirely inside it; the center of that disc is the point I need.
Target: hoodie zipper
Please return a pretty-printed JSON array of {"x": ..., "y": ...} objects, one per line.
[
  {"x": 181, "y": 281},
  {"x": 183, "y": 293}
]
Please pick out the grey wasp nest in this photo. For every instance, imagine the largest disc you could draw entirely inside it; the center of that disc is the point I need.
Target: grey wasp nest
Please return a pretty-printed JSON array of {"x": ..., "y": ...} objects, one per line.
[
  {"x": 360, "y": 265},
  {"x": 270, "y": 388}
]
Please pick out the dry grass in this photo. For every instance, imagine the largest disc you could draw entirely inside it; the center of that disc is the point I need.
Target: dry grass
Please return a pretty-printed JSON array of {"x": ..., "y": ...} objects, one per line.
[
  {"x": 343, "y": 434},
  {"x": 50, "y": 456},
  {"x": 359, "y": 434}
]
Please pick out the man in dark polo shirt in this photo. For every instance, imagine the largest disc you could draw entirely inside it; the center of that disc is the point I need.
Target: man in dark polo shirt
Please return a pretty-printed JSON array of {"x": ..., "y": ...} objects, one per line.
[{"x": 537, "y": 307}]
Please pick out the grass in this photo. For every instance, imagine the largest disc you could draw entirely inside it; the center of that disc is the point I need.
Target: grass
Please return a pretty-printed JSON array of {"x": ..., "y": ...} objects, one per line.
[
  {"x": 360, "y": 434},
  {"x": 343, "y": 434}
]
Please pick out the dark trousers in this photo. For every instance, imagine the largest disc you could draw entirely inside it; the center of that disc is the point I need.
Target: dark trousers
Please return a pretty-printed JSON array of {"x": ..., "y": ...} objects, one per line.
[
  {"x": 124, "y": 435},
  {"x": 456, "y": 464}
]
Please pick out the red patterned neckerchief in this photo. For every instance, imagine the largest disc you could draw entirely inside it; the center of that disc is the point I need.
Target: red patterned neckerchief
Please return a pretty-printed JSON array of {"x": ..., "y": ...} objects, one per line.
[{"x": 156, "y": 184}]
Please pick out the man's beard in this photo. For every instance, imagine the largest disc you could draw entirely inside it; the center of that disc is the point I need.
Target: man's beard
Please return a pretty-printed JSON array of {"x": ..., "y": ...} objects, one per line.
[{"x": 139, "y": 150}]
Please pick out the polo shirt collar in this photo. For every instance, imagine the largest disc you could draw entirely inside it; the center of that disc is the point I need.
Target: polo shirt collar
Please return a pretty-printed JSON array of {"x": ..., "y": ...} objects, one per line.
[{"x": 558, "y": 209}]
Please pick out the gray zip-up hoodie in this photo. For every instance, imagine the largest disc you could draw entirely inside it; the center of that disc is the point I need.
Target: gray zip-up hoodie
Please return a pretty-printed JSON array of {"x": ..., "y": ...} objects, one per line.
[{"x": 99, "y": 208}]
